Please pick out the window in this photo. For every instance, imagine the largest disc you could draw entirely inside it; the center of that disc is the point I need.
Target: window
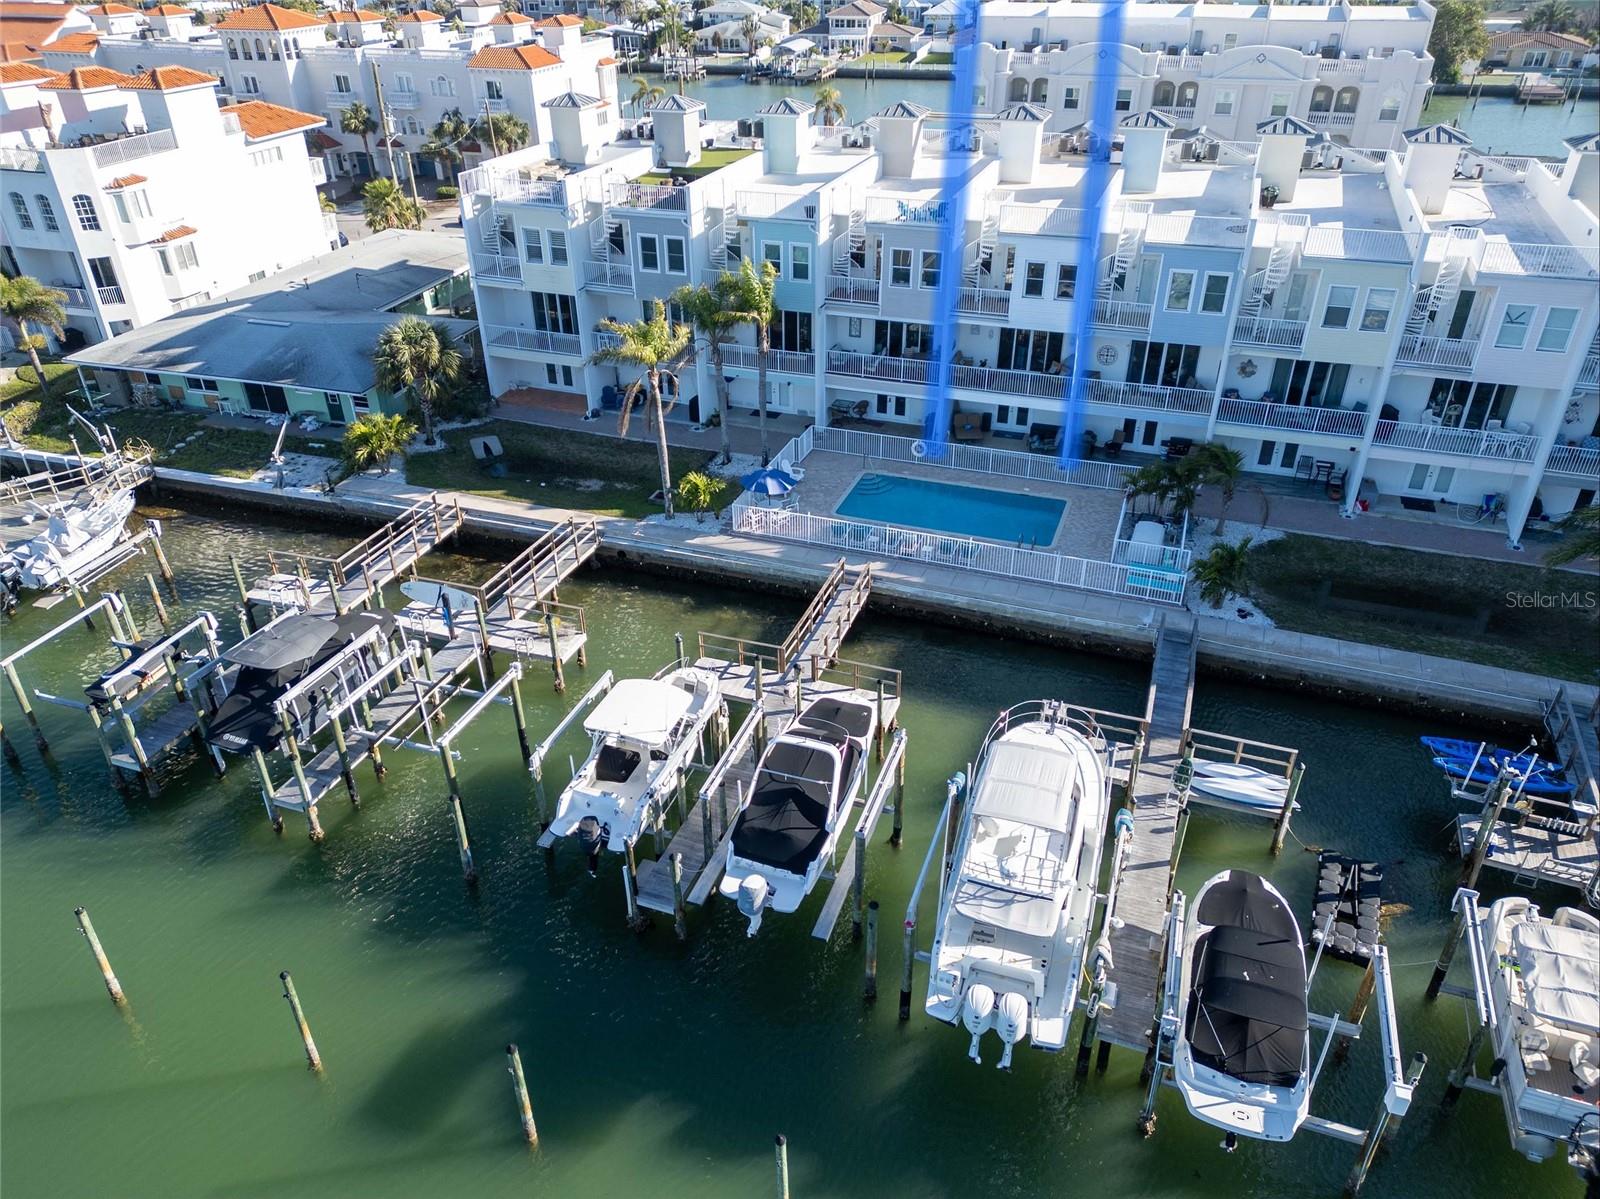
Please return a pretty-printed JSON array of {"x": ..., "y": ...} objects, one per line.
[
  {"x": 1066, "y": 282},
  {"x": 1337, "y": 313},
  {"x": 791, "y": 331},
  {"x": 550, "y": 373},
  {"x": 556, "y": 313},
  {"x": 649, "y": 252},
  {"x": 799, "y": 260},
  {"x": 1033, "y": 279},
  {"x": 195, "y": 383},
  {"x": 165, "y": 259},
  {"x": 1264, "y": 454},
  {"x": 88, "y": 218},
  {"x": 1390, "y": 110},
  {"x": 233, "y": 50},
  {"x": 1069, "y": 98},
  {"x": 47, "y": 211},
  {"x": 1514, "y": 323},
  {"x": 249, "y": 85},
  {"x": 491, "y": 88},
  {"x": 772, "y": 251},
  {"x": 245, "y": 43},
  {"x": 1225, "y": 99},
  {"x": 1180, "y": 291},
  {"x": 930, "y": 268},
  {"x": 1557, "y": 329},
  {"x": 1215, "y": 297},
  {"x": 404, "y": 83},
  {"x": 899, "y": 268},
  {"x": 1279, "y": 104},
  {"x": 1380, "y": 303},
  {"x": 341, "y": 84},
  {"x": 1124, "y": 99},
  {"x": 24, "y": 217},
  {"x": 439, "y": 85},
  {"x": 185, "y": 255},
  {"x": 1230, "y": 40},
  {"x": 532, "y": 247},
  {"x": 413, "y": 127},
  {"x": 558, "y": 246},
  {"x": 257, "y": 277},
  {"x": 130, "y": 206},
  {"x": 898, "y": 404}
]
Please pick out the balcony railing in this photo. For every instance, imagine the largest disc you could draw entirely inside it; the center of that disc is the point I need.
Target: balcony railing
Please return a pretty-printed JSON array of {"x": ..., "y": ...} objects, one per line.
[
  {"x": 1454, "y": 353},
  {"x": 1178, "y": 229},
  {"x": 1180, "y": 116},
  {"x": 1342, "y": 66},
  {"x": 1269, "y": 333},
  {"x": 775, "y": 205},
  {"x": 77, "y": 297},
  {"x": 892, "y": 209},
  {"x": 110, "y": 295},
  {"x": 1262, "y": 415},
  {"x": 490, "y": 104},
  {"x": 1589, "y": 376},
  {"x": 1574, "y": 460},
  {"x": 319, "y": 170},
  {"x": 608, "y": 276},
  {"x": 1562, "y": 262},
  {"x": 1041, "y": 219},
  {"x": 984, "y": 301},
  {"x": 126, "y": 149},
  {"x": 1331, "y": 120},
  {"x": 514, "y": 186},
  {"x": 13, "y": 158},
  {"x": 1106, "y": 394},
  {"x": 339, "y": 101},
  {"x": 853, "y": 289},
  {"x": 534, "y": 341},
  {"x": 658, "y": 196},
  {"x": 1468, "y": 443},
  {"x": 783, "y": 362},
  {"x": 405, "y": 101},
  {"x": 1120, "y": 314},
  {"x": 497, "y": 268},
  {"x": 1370, "y": 245}
]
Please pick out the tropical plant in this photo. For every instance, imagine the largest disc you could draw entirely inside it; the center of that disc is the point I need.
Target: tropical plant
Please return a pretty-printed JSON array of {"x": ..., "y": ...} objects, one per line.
[
  {"x": 757, "y": 299},
  {"x": 417, "y": 359},
  {"x": 357, "y": 120},
  {"x": 1153, "y": 482},
  {"x": 713, "y": 310},
  {"x": 697, "y": 491},
  {"x": 504, "y": 131},
  {"x": 28, "y": 302},
  {"x": 830, "y": 106},
  {"x": 375, "y": 441},
  {"x": 750, "y": 30},
  {"x": 1581, "y": 527},
  {"x": 444, "y": 144},
  {"x": 326, "y": 202},
  {"x": 1552, "y": 16},
  {"x": 1458, "y": 34},
  {"x": 386, "y": 206},
  {"x": 653, "y": 347},
  {"x": 1224, "y": 572},
  {"x": 1220, "y": 466}
]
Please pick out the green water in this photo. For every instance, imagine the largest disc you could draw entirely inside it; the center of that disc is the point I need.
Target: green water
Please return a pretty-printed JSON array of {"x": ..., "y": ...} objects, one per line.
[{"x": 656, "y": 1068}]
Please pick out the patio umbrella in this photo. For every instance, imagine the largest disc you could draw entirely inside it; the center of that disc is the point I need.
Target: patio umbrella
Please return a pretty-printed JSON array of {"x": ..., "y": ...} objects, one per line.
[{"x": 770, "y": 481}]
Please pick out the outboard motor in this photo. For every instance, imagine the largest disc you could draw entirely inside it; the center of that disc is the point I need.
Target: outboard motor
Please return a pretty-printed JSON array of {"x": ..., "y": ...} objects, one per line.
[
  {"x": 753, "y": 896},
  {"x": 1011, "y": 1022},
  {"x": 10, "y": 585},
  {"x": 592, "y": 835},
  {"x": 977, "y": 1013}
]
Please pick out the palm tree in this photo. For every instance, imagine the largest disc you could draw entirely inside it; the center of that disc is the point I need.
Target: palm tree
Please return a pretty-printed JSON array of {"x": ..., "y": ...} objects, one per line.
[
  {"x": 387, "y": 206},
  {"x": 642, "y": 93},
  {"x": 444, "y": 146},
  {"x": 416, "y": 357},
  {"x": 757, "y": 306},
  {"x": 504, "y": 131},
  {"x": 376, "y": 440},
  {"x": 1223, "y": 466},
  {"x": 1552, "y": 16},
  {"x": 28, "y": 302},
  {"x": 1152, "y": 481},
  {"x": 830, "y": 106},
  {"x": 652, "y": 346},
  {"x": 1582, "y": 529},
  {"x": 357, "y": 119},
  {"x": 713, "y": 310},
  {"x": 1224, "y": 572},
  {"x": 750, "y": 28}
]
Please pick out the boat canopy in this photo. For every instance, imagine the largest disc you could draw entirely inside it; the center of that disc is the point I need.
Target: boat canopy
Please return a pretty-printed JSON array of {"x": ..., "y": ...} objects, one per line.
[
  {"x": 1560, "y": 968},
  {"x": 282, "y": 644},
  {"x": 1029, "y": 782},
  {"x": 785, "y": 823},
  {"x": 644, "y": 711}
]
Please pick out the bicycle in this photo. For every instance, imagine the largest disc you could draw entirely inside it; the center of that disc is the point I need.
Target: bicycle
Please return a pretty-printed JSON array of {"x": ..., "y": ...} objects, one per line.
[{"x": 1491, "y": 509}]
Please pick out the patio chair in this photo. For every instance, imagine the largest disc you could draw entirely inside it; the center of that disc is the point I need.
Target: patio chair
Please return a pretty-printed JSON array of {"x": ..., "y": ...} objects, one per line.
[
  {"x": 966, "y": 426},
  {"x": 1114, "y": 446},
  {"x": 1177, "y": 447},
  {"x": 1043, "y": 438}
]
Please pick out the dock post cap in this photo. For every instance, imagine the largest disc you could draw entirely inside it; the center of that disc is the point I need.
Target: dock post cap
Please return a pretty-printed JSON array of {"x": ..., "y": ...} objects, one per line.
[
  {"x": 780, "y": 1139},
  {"x": 511, "y": 1047}
]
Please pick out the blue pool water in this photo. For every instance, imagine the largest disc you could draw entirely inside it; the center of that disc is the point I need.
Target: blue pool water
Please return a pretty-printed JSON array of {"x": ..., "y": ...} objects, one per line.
[{"x": 947, "y": 508}]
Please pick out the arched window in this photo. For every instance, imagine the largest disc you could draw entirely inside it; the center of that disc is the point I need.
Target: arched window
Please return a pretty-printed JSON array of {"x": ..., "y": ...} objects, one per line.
[
  {"x": 1041, "y": 88},
  {"x": 1347, "y": 99},
  {"x": 261, "y": 51},
  {"x": 88, "y": 218},
  {"x": 296, "y": 44},
  {"x": 1019, "y": 90},
  {"x": 1165, "y": 93},
  {"x": 274, "y": 44},
  {"x": 1322, "y": 99},
  {"x": 233, "y": 50},
  {"x": 47, "y": 211},
  {"x": 24, "y": 217},
  {"x": 1188, "y": 93},
  {"x": 244, "y": 44}
]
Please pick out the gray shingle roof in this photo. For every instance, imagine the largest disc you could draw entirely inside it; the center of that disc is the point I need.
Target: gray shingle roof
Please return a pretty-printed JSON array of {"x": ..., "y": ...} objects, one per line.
[
  {"x": 787, "y": 107},
  {"x": 676, "y": 103},
  {"x": 1024, "y": 112},
  {"x": 1148, "y": 119},
  {"x": 573, "y": 100},
  {"x": 1285, "y": 124},
  {"x": 1437, "y": 135},
  {"x": 905, "y": 109}
]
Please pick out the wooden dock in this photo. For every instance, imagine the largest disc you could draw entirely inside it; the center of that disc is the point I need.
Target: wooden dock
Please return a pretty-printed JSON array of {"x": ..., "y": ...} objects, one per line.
[
  {"x": 1530, "y": 853},
  {"x": 1146, "y": 885}
]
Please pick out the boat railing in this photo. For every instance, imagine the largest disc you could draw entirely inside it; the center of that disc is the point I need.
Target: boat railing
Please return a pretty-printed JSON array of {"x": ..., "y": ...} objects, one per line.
[
  {"x": 1224, "y": 747},
  {"x": 1097, "y": 726}
]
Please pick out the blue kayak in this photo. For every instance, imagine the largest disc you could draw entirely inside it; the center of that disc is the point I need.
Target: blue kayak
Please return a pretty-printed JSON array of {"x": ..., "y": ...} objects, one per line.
[
  {"x": 1467, "y": 752},
  {"x": 1486, "y": 772}
]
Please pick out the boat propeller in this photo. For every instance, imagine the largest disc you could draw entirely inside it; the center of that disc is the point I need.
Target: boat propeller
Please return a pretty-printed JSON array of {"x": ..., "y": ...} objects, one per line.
[
  {"x": 1011, "y": 1022},
  {"x": 977, "y": 1013},
  {"x": 592, "y": 835},
  {"x": 753, "y": 895}
]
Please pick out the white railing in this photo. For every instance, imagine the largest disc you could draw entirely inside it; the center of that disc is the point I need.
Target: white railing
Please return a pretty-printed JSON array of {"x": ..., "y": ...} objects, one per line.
[
  {"x": 783, "y": 362},
  {"x": 1589, "y": 375},
  {"x": 1120, "y": 314},
  {"x": 1574, "y": 460},
  {"x": 499, "y": 267},
  {"x": 984, "y": 301},
  {"x": 110, "y": 295},
  {"x": 775, "y": 205},
  {"x": 1107, "y": 394},
  {"x": 1458, "y": 353},
  {"x": 319, "y": 171},
  {"x": 1514, "y": 258},
  {"x": 1178, "y": 62},
  {"x": 1181, "y": 116},
  {"x": 1468, "y": 443},
  {"x": 1341, "y": 66},
  {"x": 77, "y": 297},
  {"x": 1030, "y": 58},
  {"x": 1045, "y": 220},
  {"x": 13, "y": 158},
  {"x": 892, "y": 209},
  {"x": 405, "y": 101},
  {"x": 608, "y": 276},
  {"x": 853, "y": 289},
  {"x": 943, "y": 549},
  {"x": 535, "y": 341},
  {"x": 1171, "y": 558},
  {"x": 979, "y": 459},
  {"x": 1331, "y": 120},
  {"x": 128, "y": 148},
  {"x": 880, "y": 366},
  {"x": 514, "y": 186},
  {"x": 1262, "y": 415},
  {"x": 1370, "y": 245},
  {"x": 339, "y": 101},
  {"x": 1197, "y": 230},
  {"x": 491, "y": 105},
  {"x": 1270, "y": 333},
  {"x": 650, "y": 195}
]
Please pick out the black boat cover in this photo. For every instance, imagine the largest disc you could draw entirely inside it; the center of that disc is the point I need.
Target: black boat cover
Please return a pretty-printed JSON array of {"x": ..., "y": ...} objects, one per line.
[
  {"x": 834, "y": 720},
  {"x": 786, "y": 821},
  {"x": 1247, "y": 1001},
  {"x": 285, "y": 644}
]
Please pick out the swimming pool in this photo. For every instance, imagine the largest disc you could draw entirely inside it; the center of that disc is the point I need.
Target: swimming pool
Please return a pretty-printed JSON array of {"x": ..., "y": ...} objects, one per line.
[{"x": 1005, "y": 516}]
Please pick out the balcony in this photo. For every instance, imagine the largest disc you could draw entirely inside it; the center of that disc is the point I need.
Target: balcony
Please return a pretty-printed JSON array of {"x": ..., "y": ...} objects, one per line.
[
  {"x": 142, "y": 145},
  {"x": 608, "y": 276},
  {"x": 110, "y": 295},
  {"x": 1589, "y": 376},
  {"x": 1179, "y": 116},
  {"x": 1106, "y": 394},
  {"x": 983, "y": 301},
  {"x": 491, "y": 105},
  {"x": 496, "y": 268},
  {"x": 1557, "y": 262},
  {"x": 1574, "y": 460},
  {"x": 1121, "y": 315},
  {"x": 1439, "y": 353},
  {"x": 14, "y": 158},
  {"x": 1042, "y": 219},
  {"x": 1367, "y": 245},
  {"x": 339, "y": 101},
  {"x": 403, "y": 101},
  {"x": 533, "y": 341},
  {"x": 1331, "y": 120},
  {"x": 1467, "y": 443},
  {"x": 658, "y": 197},
  {"x": 77, "y": 297},
  {"x": 782, "y": 362},
  {"x": 775, "y": 205},
  {"x": 1259, "y": 414},
  {"x": 1269, "y": 333},
  {"x": 853, "y": 289}
]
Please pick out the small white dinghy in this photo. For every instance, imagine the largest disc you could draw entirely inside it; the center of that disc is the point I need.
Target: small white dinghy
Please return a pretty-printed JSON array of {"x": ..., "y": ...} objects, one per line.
[{"x": 1233, "y": 784}]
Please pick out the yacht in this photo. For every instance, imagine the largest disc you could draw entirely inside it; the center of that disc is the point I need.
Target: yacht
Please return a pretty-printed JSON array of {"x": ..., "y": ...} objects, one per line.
[
  {"x": 805, "y": 785},
  {"x": 1243, "y": 1055},
  {"x": 644, "y": 735},
  {"x": 1016, "y": 915},
  {"x": 77, "y": 533}
]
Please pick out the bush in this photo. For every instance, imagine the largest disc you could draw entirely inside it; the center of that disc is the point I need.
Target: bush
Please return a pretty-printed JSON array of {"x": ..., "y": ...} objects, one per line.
[
  {"x": 698, "y": 491},
  {"x": 447, "y": 192},
  {"x": 374, "y": 440}
]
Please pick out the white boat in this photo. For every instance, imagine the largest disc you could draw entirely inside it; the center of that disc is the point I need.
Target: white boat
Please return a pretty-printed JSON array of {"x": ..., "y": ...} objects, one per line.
[
  {"x": 805, "y": 785},
  {"x": 645, "y": 733},
  {"x": 1233, "y": 784},
  {"x": 1015, "y": 918},
  {"x": 1544, "y": 978},
  {"x": 1243, "y": 1055},
  {"x": 76, "y": 534}
]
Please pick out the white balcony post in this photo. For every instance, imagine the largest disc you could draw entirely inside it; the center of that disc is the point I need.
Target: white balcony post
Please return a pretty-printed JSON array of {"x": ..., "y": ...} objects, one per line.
[
  {"x": 1241, "y": 280},
  {"x": 1520, "y": 501},
  {"x": 1358, "y": 469}
]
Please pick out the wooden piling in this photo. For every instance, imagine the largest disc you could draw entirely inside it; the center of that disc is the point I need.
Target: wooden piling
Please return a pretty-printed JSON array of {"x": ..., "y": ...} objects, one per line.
[
  {"x": 678, "y": 924},
  {"x": 782, "y": 1144},
  {"x": 291, "y": 748},
  {"x": 346, "y": 771},
  {"x": 858, "y": 885},
  {"x": 130, "y": 734},
  {"x": 244, "y": 595},
  {"x": 761, "y": 706},
  {"x": 519, "y": 1088},
  {"x": 25, "y": 705},
  {"x": 908, "y": 957},
  {"x": 1493, "y": 804},
  {"x": 124, "y": 626},
  {"x": 265, "y": 775},
  {"x": 1280, "y": 827},
  {"x": 86, "y": 927},
  {"x": 313, "y": 1058},
  {"x": 869, "y": 990},
  {"x": 899, "y": 799},
  {"x": 555, "y": 652},
  {"x": 485, "y": 657},
  {"x": 155, "y": 597},
  {"x": 631, "y": 896},
  {"x": 520, "y": 714},
  {"x": 469, "y": 871},
  {"x": 162, "y": 564},
  {"x": 1133, "y": 768},
  {"x": 1382, "y": 1126},
  {"x": 1358, "y": 1007}
]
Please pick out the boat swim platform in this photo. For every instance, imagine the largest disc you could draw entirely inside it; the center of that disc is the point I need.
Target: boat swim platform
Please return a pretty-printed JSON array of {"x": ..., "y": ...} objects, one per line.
[{"x": 1531, "y": 853}]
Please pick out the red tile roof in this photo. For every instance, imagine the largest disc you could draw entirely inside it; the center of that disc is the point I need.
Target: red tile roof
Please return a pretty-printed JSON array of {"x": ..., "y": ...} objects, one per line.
[
  {"x": 166, "y": 79},
  {"x": 511, "y": 18},
  {"x": 607, "y": 61},
  {"x": 71, "y": 43},
  {"x": 269, "y": 16},
  {"x": 82, "y": 79},
  {"x": 416, "y": 18},
  {"x": 25, "y": 72},
  {"x": 360, "y": 17},
  {"x": 320, "y": 141},
  {"x": 259, "y": 119},
  {"x": 513, "y": 58},
  {"x": 562, "y": 19},
  {"x": 122, "y": 181},
  {"x": 110, "y": 10},
  {"x": 178, "y": 232},
  {"x": 170, "y": 10}
]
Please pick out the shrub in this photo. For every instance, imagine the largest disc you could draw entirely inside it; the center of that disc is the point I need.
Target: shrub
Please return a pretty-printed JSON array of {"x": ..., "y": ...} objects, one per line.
[
  {"x": 374, "y": 440},
  {"x": 447, "y": 192},
  {"x": 697, "y": 491}
]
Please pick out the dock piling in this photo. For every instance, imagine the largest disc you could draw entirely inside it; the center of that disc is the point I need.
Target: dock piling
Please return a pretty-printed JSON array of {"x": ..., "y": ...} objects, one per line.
[
  {"x": 469, "y": 871},
  {"x": 1494, "y": 802},
  {"x": 782, "y": 1145},
  {"x": 520, "y": 715},
  {"x": 1358, "y": 1009},
  {"x": 899, "y": 802},
  {"x": 266, "y": 788},
  {"x": 555, "y": 652},
  {"x": 25, "y": 705},
  {"x": 245, "y": 615},
  {"x": 870, "y": 984},
  {"x": 1280, "y": 827},
  {"x": 346, "y": 771},
  {"x": 1383, "y": 1124},
  {"x": 162, "y": 564},
  {"x": 631, "y": 895},
  {"x": 678, "y": 924},
  {"x": 908, "y": 957},
  {"x": 155, "y": 597},
  {"x": 313, "y": 1058},
  {"x": 519, "y": 1088},
  {"x": 858, "y": 885},
  {"x": 86, "y": 927}
]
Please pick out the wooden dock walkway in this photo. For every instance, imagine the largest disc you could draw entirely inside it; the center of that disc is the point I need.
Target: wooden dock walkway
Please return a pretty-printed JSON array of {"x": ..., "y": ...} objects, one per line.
[
  {"x": 1141, "y": 904},
  {"x": 813, "y": 644}
]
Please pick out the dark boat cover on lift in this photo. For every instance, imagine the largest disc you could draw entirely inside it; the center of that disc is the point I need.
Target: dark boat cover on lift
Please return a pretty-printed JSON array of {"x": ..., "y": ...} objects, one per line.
[
  {"x": 786, "y": 821},
  {"x": 1247, "y": 1002},
  {"x": 833, "y": 721},
  {"x": 282, "y": 645}
]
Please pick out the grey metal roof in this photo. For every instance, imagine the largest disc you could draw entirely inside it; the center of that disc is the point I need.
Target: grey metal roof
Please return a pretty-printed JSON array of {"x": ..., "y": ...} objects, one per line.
[
  {"x": 902, "y": 108},
  {"x": 312, "y": 326},
  {"x": 676, "y": 103},
  {"x": 1584, "y": 142},
  {"x": 787, "y": 107},
  {"x": 1285, "y": 124},
  {"x": 1024, "y": 112},
  {"x": 1148, "y": 119},
  {"x": 573, "y": 100},
  {"x": 1437, "y": 135}
]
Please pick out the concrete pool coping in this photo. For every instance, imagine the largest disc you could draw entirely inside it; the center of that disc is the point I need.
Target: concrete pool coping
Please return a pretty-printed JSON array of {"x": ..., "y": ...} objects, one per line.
[{"x": 1061, "y": 508}]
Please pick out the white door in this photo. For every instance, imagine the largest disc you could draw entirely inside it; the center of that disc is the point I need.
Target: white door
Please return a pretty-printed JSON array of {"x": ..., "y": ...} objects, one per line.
[{"x": 1431, "y": 480}]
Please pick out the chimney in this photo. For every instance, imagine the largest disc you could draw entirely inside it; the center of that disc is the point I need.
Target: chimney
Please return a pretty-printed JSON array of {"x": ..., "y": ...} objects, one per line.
[
  {"x": 1432, "y": 152},
  {"x": 1144, "y": 149},
  {"x": 677, "y": 126},
  {"x": 1582, "y": 172},
  {"x": 1283, "y": 149},
  {"x": 787, "y": 133},
  {"x": 1021, "y": 134},
  {"x": 560, "y": 34},
  {"x": 575, "y": 124},
  {"x": 899, "y": 131}
]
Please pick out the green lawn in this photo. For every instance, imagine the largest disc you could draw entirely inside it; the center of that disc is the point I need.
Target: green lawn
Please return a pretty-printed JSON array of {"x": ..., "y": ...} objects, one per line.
[
  {"x": 1439, "y": 604},
  {"x": 710, "y": 160},
  {"x": 561, "y": 468},
  {"x": 882, "y": 58},
  {"x": 937, "y": 60}
]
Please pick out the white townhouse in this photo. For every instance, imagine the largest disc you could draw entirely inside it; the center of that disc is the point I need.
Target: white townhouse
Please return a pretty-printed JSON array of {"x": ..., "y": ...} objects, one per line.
[
  {"x": 1414, "y": 323},
  {"x": 850, "y": 26},
  {"x": 145, "y": 198}
]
